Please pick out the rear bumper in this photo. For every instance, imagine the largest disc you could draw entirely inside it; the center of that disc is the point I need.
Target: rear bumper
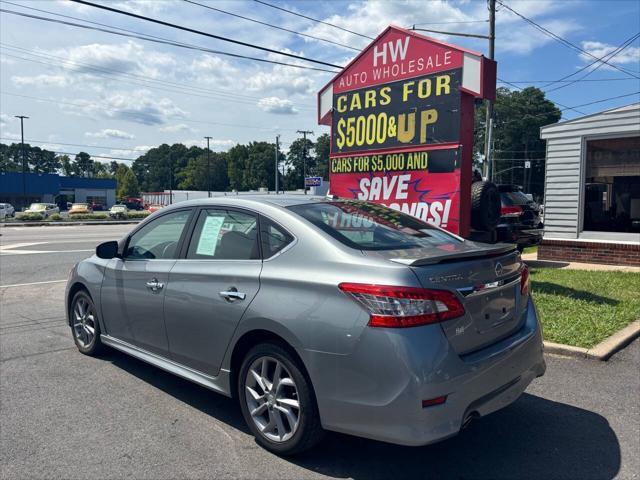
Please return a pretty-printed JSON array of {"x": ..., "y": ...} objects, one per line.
[{"x": 377, "y": 391}]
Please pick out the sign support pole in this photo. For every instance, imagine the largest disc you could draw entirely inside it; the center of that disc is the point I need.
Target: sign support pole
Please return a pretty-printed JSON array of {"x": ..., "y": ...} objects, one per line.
[{"x": 488, "y": 154}]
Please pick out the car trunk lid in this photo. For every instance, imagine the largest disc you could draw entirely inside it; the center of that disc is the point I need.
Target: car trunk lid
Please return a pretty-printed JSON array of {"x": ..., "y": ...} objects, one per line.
[{"x": 486, "y": 279}]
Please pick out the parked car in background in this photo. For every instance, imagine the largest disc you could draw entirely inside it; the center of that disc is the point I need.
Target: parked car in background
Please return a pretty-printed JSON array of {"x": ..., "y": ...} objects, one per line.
[
  {"x": 316, "y": 314},
  {"x": 80, "y": 208},
  {"x": 97, "y": 207},
  {"x": 119, "y": 211},
  {"x": 134, "y": 203},
  {"x": 154, "y": 207},
  {"x": 44, "y": 209},
  {"x": 520, "y": 218},
  {"x": 7, "y": 210}
]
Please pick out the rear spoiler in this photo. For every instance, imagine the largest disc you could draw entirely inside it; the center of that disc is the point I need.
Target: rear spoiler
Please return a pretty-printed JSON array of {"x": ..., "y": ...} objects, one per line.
[{"x": 494, "y": 251}]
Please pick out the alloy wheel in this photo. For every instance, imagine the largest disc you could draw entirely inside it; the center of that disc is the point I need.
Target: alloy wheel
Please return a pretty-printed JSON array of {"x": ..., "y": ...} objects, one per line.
[
  {"x": 272, "y": 399},
  {"x": 84, "y": 322}
]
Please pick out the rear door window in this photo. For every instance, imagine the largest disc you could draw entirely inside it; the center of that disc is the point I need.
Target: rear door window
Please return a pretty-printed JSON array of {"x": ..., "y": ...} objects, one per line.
[
  {"x": 222, "y": 234},
  {"x": 369, "y": 226}
]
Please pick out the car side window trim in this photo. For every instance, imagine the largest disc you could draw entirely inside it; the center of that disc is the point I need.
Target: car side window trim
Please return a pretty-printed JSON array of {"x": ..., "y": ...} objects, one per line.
[
  {"x": 186, "y": 227},
  {"x": 288, "y": 246}
]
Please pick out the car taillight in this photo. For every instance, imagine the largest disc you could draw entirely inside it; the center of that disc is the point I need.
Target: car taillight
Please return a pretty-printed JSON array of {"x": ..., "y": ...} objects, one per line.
[
  {"x": 399, "y": 307},
  {"x": 513, "y": 211},
  {"x": 524, "y": 281}
]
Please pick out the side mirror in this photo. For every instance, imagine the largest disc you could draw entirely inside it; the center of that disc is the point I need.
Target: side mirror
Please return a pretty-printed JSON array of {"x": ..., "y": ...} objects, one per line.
[{"x": 107, "y": 250}]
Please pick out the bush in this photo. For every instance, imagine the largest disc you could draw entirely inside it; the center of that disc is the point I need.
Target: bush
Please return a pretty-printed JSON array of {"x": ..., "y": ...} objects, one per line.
[
  {"x": 88, "y": 216},
  {"x": 55, "y": 217},
  {"x": 27, "y": 217},
  {"x": 138, "y": 214}
]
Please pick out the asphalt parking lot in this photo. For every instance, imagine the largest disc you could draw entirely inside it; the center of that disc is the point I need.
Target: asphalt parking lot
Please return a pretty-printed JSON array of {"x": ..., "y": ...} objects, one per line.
[{"x": 65, "y": 415}]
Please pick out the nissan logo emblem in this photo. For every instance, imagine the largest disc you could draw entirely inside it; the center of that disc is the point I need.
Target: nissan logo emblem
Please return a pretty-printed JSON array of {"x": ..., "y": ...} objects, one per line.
[{"x": 498, "y": 269}]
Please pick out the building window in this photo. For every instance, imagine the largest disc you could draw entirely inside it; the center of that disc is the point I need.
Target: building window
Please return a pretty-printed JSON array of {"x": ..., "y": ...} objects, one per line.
[{"x": 612, "y": 185}]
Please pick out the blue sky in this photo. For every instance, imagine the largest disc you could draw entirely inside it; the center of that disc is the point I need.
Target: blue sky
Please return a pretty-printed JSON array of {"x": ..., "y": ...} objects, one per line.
[{"x": 126, "y": 95}]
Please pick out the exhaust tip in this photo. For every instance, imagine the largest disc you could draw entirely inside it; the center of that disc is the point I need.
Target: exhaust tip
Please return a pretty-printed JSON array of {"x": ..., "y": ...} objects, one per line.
[{"x": 469, "y": 418}]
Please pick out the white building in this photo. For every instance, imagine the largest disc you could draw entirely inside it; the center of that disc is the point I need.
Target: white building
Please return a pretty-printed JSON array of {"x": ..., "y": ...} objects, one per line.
[{"x": 592, "y": 188}]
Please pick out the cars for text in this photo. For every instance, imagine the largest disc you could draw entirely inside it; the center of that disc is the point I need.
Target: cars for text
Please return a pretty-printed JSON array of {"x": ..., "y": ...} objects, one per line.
[{"x": 317, "y": 314}]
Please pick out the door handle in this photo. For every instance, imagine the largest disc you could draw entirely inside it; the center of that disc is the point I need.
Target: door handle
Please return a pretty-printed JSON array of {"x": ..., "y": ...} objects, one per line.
[
  {"x": 233, "y": 294},
  {"x": 154, "y": 285}
]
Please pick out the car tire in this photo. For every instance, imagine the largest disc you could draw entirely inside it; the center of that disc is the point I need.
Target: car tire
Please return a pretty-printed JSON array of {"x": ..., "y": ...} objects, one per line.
[
  {"x": 485, "y": 206},
  {"x": 278, "y": 400},
  {"x": 84, "y": 323}
]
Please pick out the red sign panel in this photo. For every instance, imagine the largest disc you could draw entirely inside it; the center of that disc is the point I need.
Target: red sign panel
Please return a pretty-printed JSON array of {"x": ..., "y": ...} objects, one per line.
[
  {"x": 397, "y": 56},
  {"x": 425, "y": 184}
]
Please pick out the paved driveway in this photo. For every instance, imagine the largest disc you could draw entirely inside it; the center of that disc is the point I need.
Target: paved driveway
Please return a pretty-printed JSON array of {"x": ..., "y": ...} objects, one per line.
[{"x": 64, "y": 415}]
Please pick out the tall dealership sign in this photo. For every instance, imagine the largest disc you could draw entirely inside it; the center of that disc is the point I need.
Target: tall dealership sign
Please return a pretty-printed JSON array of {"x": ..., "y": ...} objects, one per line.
[{"x": 401, "y": 117}]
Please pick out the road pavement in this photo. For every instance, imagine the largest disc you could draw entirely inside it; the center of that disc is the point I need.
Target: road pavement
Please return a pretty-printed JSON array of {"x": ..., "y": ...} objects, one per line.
[{"x": 65, "y": 415}]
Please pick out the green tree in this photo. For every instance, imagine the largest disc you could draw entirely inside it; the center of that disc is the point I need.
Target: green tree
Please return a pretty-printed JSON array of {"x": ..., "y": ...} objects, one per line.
[
  {"x": 518, "y": 116},
  {"x": 194, "y": 175},
  {"x": 298, "y": 152},
  {"x": 66, "y": 166},
  {"x": 84, "y": 164},
  {"x": 128, "y": 185},
  {"x": 236, "y": 164},
  {"x": 322, "y": 149}
]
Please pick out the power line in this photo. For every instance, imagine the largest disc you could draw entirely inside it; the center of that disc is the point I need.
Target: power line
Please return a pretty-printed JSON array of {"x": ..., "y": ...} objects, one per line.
[
  {"x": 453, "y": 22},
  {"x": 313, "y": 19},
  {"x": 610, "y": 56},
  {"x": 181, "y": 90},
  {"x": 561, "y": 40},
  {"x": 105, "y": 147},
  {"x": 577, "y": 71},
  {"x": 149, "y": 38},
  {"x": 558, "y": 103},
  {"x": 205, "y": 34},
  {"x": 128, "y": 113},
  {"x": 270, "y": 25},
  {"x": 528, "y": 82}
]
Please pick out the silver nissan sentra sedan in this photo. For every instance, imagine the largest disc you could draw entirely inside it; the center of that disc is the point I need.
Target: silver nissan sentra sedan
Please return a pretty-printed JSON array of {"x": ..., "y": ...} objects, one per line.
[{"x": 316, "y": 314}]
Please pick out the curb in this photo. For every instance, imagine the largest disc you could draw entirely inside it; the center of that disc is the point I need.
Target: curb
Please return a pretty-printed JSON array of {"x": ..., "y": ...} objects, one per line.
[
  {"x": 69, "y": 224},
  {"x": 602, "y": 351}
]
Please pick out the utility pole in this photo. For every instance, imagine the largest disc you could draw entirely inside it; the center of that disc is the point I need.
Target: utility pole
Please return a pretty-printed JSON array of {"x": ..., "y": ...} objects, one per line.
[
  {"x": 170, "y": 177},
  {"x": 208, "y": 168},
  {"x": 488, "y": 133},
  {"x": 304, "y": 158},
  {"x": 277, "y": 148},
  {"x": 24, "y": 160}
]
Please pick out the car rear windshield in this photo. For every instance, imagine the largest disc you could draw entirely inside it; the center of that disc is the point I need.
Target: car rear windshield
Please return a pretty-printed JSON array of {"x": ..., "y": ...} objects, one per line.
[
  {"x": 369, "y": 226},
  {"x": 514, "y": 198}
]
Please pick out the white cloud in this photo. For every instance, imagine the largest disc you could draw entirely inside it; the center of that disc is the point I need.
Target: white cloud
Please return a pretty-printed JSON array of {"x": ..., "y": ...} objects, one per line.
[
  {"x": 139, "y": 106},
  {"x": 4, "y": 120},
  {"x": 135, "y": 152},
  {"x": 599, "y": 50},
  {"x": 277, "y": 105},
  {"x": 42, "y": 80},
  {"x": 102, "y": 61},
  {"x": 111, "y": 133},
  {"x": 216, "y": 145},
  {"x": 180, "y": 127},
  {"x": 213, "y": 70}
]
